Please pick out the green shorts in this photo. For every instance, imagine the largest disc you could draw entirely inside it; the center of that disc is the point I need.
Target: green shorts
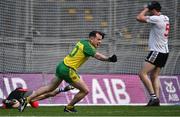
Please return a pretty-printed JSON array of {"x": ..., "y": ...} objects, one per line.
[{"x": 66, "y": 73}]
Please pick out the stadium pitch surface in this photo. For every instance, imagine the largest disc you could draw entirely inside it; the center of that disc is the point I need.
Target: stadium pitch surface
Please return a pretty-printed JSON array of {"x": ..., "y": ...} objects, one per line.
[{"x": 96, "y": 111}]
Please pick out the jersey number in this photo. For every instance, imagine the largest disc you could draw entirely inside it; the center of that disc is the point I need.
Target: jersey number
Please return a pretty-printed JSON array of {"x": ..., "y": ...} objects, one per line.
[
  {"x": 74, "y": 51},
  {"x": 167, "y": 30}
]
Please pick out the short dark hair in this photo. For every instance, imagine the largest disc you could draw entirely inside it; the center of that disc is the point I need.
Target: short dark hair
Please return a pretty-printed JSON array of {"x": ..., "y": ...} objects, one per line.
[
  {"x": 93, "y": 34},
  {"x": 154, "y": 5}
]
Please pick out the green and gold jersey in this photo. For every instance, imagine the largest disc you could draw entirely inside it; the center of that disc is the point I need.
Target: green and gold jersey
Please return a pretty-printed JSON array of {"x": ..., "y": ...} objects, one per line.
[{"x": 82, "y": 51}]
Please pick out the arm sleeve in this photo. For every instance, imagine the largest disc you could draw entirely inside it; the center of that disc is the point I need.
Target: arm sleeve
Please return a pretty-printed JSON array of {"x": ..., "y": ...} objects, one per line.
[
  {"x": 152, "y": 19},
  {"x": 89, "y": 50}
]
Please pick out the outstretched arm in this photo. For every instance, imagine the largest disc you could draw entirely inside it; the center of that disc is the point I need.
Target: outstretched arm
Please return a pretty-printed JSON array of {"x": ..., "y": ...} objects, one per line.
[{"x": 102, "y": 57}]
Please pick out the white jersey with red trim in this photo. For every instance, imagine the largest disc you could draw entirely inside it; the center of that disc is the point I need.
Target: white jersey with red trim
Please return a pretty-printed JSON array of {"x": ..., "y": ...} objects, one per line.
[{"x": 158, "y": 38}]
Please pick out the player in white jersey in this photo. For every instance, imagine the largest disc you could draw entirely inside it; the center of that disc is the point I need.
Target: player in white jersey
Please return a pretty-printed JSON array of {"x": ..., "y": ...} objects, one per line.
[{"x": 158, "y": 47}]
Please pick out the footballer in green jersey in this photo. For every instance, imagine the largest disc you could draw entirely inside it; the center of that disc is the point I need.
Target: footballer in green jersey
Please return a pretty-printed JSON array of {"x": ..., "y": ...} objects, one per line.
[
  {"x": 67, "y": 70},
  {"x": 68, "y": 67}
]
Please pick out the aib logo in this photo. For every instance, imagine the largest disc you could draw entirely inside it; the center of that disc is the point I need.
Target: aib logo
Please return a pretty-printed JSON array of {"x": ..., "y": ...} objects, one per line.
[{"x": 170, "y": 89}]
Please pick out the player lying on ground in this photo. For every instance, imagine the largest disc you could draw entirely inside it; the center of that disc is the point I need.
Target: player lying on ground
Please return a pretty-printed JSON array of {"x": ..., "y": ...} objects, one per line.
[{"x": 15, "y": 97}]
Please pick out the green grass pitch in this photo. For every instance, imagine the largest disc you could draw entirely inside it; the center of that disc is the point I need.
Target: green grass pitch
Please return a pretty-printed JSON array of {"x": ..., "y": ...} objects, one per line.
[{"x": 96, "y": 111}]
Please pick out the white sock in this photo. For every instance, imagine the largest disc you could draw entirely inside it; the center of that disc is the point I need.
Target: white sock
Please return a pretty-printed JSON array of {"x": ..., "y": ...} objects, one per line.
[{"x": 153, "y": 96}]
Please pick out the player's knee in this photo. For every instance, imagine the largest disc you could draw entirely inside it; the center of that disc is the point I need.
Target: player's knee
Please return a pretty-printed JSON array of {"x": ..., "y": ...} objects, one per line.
[
  {"x": 85, "y": 91},
  {"x": 154, "y": 76},
  {"x": 141, "y": 74}
]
